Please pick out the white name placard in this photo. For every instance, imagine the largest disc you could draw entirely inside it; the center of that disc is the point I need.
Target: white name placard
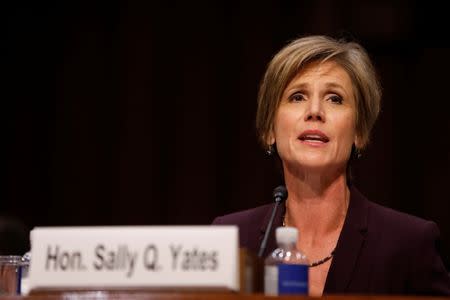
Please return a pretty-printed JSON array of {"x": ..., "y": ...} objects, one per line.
[{"x": 121, "y": 257}]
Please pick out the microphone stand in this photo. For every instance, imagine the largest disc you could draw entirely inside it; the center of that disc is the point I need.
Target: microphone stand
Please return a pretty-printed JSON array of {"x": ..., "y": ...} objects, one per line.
[{"x": 269, "y": 227}]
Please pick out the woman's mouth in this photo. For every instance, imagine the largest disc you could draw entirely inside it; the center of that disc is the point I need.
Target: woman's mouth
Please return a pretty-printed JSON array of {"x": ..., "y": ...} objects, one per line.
[{"x": 314, "y": 137}]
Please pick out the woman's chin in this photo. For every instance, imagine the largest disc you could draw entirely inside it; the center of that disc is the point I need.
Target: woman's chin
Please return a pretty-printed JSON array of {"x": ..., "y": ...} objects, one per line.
[{"x": 317, "y": 166}]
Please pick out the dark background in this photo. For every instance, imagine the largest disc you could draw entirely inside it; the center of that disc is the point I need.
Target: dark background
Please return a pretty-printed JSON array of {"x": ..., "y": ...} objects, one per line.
[{"x": 142, "y": 112}]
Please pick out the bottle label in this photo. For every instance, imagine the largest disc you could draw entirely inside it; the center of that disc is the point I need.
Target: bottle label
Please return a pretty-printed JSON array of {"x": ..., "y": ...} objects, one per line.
[
  {"x": 292, "y": 279},
  {"x": 271, "y": 280}
]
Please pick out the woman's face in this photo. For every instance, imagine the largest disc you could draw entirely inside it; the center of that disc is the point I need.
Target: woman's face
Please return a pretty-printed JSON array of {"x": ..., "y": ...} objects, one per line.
[{"x": 314, "y": 125}]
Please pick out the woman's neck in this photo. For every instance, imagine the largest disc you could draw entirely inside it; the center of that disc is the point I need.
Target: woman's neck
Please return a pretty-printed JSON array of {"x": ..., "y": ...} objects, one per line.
[{"x": 316, "y": 204}]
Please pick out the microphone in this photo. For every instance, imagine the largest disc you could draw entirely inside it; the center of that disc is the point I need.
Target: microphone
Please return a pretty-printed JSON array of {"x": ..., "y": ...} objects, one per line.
[{"x": 279, "y": 195}]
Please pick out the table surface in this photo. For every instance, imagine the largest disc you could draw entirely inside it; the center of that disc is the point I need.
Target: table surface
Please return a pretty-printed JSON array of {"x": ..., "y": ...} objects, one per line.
[{"x": 191, "y": 295}]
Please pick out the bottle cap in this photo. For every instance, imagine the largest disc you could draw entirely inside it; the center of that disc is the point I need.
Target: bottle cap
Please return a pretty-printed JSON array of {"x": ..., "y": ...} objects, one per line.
[{"x": 286, "y": 235}]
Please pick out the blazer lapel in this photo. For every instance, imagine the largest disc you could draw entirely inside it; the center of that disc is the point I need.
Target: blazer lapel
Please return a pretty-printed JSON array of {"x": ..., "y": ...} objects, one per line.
[
  {"x": 349, "y": 244},
  {"x": 277, "y": 222}
]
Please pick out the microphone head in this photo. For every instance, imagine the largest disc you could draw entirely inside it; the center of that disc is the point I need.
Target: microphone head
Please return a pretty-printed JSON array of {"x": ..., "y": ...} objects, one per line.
[{"x": 280, "y": 193}]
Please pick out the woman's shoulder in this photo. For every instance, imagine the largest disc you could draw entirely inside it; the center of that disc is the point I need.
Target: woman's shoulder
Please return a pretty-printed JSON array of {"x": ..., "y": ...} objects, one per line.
[
  {"x": 377, "y": 217},
  {"x": 401, "y": 233},
  {"x": 413, "y": 244},
  {"x": 250, "y": 223},
  {"x": 249, "y": 216},
  {"x": 397, "y": 221}
]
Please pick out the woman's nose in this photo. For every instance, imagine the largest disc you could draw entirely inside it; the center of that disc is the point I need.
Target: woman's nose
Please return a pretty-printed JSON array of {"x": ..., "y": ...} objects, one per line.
[{"x": 315, "y": 111}]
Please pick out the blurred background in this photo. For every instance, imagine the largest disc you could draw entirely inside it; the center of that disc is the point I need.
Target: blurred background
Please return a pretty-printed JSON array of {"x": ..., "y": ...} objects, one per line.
[{"x": 142, "y": 112}]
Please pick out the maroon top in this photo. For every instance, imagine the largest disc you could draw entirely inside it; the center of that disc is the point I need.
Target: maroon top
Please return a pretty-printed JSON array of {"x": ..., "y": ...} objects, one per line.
[{"x": 379, "y": 250}]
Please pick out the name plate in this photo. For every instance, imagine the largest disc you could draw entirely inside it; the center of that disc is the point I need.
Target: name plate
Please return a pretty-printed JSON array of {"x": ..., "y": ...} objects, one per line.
[{"x": 140, "y": 257}]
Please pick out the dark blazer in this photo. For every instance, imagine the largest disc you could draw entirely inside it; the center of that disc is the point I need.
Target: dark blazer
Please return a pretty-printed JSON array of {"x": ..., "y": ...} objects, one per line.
[{"x": 379, "y": 251}]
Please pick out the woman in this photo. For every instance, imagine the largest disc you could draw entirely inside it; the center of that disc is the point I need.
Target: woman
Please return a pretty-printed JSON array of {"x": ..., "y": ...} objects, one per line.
[{"x": 317, "y": 104}]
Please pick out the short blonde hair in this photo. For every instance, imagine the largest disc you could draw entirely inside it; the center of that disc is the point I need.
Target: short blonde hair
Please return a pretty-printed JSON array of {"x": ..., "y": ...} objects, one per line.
[{"x": 286, "y": 64}]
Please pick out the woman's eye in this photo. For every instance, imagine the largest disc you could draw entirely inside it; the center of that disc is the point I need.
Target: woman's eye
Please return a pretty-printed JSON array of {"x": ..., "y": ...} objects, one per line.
[
  {"x": 296, "y": 97},
  {"x": 335, "y": 99}
]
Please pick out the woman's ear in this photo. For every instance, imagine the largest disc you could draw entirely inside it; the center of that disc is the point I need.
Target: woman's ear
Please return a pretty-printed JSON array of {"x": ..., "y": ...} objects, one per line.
[
  {"x": 358, "y": 143},
  {"x": 270, "y": 140}
]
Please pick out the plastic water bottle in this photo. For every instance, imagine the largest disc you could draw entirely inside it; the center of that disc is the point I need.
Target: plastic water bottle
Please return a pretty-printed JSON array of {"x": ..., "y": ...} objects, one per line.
[
  {"x": 24, "y": 287},
  {"x": 286, "y": 268}
]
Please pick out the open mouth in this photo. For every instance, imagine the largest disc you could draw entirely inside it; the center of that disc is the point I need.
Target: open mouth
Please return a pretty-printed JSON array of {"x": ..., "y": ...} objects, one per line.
[{"x": 313, "y": 136}]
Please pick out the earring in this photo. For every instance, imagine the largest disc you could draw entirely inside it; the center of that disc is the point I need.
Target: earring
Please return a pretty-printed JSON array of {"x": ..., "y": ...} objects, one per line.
[
  {"x": 356, "y": 153},
  {"x": 270, "y": 150}
]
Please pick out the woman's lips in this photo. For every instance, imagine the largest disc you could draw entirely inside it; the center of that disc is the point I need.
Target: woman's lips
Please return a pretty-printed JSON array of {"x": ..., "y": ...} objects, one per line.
[{"x": 313, "y": 137}]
